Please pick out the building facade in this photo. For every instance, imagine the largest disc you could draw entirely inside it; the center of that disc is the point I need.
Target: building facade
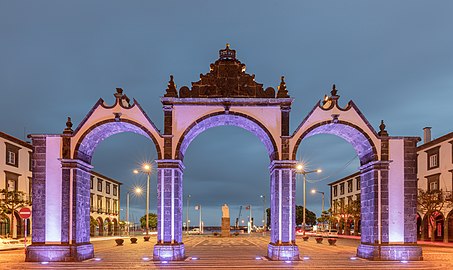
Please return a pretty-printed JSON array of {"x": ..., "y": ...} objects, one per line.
[
  {"x": 104, "y": 205},
  {"x": 434, "y": 172},
  {"x": 344, "y": 195},
  {"x": 15, "y": 175}
]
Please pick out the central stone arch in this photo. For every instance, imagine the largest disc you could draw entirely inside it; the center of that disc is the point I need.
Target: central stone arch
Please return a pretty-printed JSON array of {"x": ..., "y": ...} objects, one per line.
[{"x": 226, "y": 95}]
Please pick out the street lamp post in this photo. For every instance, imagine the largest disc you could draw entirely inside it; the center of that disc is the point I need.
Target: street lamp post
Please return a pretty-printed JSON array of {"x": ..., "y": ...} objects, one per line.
[
  {"x": 322, "y": 202},
  {"x": 146, "y": 169},
  {"x": 136, "y": 191},
  {"x": 187, "y": 216},
  {"x": 264, "y": 212},
  {"x": 300, "y": 170}
]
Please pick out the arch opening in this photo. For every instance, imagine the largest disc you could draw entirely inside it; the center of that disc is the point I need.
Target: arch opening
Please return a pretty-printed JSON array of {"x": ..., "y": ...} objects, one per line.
[
  {"x": 231, "y": 119},
  {"x": 97, "y": 133}
]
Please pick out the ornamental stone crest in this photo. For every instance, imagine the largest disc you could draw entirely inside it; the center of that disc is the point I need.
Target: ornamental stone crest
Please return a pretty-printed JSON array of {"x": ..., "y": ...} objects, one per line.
[{"x": 226, "y": 78}]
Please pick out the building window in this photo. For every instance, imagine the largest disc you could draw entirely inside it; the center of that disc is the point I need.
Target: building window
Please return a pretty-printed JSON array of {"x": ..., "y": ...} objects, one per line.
[
  {"x": 107, "y": 187},
  {"x": 91, "y": 182},
  {"x": 341, "y": 188},
  {"x": 349, "y": 200},
  {"x": 100, "y": 185},
  {"x": 335, "y": 202},
  {"x": 11, "y": 181},
  {"x": 12, "y": 155},
  {"x": 433, "y": 182},
  {"x": 349, "y": 185},
  {"x": 115, "y": 206},
  {"x": 115, "y": 190},
  {"x": 358, "y": 197},
  {"x": 29, "y": 189},
  {"x": 357, "y": 181},
  {"x": 335, "y": 191},
  {"x": 30, "y": 160},
  {"x": 107, "y": 204},
  {"x": 342, "y": 204},
  {"x": 92, "y": 202},
  {"x": 433, "y": 158},
  {"x": 99, "y": 204}
]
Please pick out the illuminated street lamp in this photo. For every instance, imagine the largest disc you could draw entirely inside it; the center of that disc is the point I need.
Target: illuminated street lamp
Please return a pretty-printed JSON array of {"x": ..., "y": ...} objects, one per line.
[
  {"x": 314, "y": 191},
  {"x": 264, "y": 212},
  {"x": 137, "y": 191},
  {"x": 146, "y": 169},
  {"x": 300, "y": 170},
  {"x": 187, "y": 217}
]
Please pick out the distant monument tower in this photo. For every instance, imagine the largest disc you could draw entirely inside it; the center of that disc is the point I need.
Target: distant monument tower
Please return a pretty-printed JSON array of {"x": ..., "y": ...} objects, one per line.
[{"x": 225, "y": 230}]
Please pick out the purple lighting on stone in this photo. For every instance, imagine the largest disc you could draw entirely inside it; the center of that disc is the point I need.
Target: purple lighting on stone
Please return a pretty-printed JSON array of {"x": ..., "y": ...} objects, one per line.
[
  {"x": 97, "y": 259},
  {"x": 145, "y": 259},
  {"x": 306, "y": 258},
  {"x": 258, "y": 258},
  {"x": 44, "y": 262},
  {"x": 164, "y": 262},
  {"x": 404, "y": 261},
  {"x": 194, "y": 258},
  {"x": 353, "y": 258}
]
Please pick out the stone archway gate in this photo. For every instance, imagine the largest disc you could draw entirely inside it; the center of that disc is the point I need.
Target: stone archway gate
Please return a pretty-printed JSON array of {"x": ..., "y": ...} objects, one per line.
[{"x": 226, "y": 95}]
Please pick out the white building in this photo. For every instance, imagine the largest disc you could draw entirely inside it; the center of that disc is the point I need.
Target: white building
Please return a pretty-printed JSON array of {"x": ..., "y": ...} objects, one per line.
[
  {"x": 15, "y": 175},
  {"x": 435, "y": 172},
  {"x": 105, "y": 205},
  {"x": 342, "y": 193}
]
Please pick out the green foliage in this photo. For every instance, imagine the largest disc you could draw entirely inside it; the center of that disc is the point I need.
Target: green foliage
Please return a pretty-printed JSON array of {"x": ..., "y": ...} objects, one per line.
[
  {"x": 430, "y": 202},
  {"x": 12, "y": 201},
  {"x": 310, "y": 217},
  {"x": 152, "y": 221}
]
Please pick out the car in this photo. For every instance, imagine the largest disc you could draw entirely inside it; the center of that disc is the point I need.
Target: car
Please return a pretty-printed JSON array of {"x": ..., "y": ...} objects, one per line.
[{"x": 194, "y": 231}]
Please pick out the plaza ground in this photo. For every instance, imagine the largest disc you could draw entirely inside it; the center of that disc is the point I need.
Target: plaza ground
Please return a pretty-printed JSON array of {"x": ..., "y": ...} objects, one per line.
[{"x": 239, "y": 252}]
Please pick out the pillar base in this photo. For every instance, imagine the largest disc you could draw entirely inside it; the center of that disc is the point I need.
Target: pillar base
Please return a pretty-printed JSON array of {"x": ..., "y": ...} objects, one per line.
[
  {"x": 390, "y": 252},
  {"x": 169, "y": 252},
  {"x": 283, "y": 252},
  {"x": 59, "y": 252}
]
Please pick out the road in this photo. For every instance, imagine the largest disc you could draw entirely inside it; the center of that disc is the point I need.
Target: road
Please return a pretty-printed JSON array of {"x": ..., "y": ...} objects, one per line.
[{"x": 240, "y": 252}]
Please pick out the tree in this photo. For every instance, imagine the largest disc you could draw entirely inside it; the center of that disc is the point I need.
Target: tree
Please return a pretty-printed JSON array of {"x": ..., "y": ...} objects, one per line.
[
  {"x": 310, "y": 217},
  {"x": 430, "y": 202},
  {"x": 152, "y": 221},
  {"x": 350, "y": 211},
  {"x": 11, "y": 202}
]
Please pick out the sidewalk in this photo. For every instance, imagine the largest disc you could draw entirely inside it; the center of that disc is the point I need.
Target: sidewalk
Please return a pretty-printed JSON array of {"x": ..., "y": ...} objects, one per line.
[{"x": 422, "y": 243}]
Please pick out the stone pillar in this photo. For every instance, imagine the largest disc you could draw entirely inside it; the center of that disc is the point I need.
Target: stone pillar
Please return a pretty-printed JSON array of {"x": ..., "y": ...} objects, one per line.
[
  {"x": 169, "y": 246},
  {"x": 446, "y": 230},
  {"x": 389, "y": 204},
  {"x": 283, "y": 211},
  {"x": 61, "y": 205},
  {"x": 225, "y": 229}
]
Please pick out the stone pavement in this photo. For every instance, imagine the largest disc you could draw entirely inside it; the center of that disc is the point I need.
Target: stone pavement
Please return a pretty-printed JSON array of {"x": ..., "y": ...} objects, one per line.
[{"x": 242, "y": 252}]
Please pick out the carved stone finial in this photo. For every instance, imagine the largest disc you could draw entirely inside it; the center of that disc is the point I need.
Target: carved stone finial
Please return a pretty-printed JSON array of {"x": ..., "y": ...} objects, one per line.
[
  {"x": 171, "y": 88},
  {"x": 68, "y": 129},
  {"x": 326, "y": 98},
  {"x": 227, "y": 53},
  {"x": 382, "y": 131},
  {"x": 334, "y": 90},
  {"x": 282, "y": 92},
  {"x": 119, "y": 93}
]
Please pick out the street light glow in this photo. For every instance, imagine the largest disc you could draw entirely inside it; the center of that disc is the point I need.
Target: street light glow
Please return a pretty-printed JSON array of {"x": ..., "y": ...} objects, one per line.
[
  {"x": 135, "y": 171},
  {"x": 313, "y": 191},
  {"x": 300, "y": 167},
  {"x": 146, "y": 167},
  {"x": 138, "y": 190},
  {"x": 318, "y": 170}
]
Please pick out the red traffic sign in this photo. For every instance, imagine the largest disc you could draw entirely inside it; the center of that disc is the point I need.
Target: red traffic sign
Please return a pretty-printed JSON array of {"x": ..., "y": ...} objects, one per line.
[{"x": 25, "y": 212}]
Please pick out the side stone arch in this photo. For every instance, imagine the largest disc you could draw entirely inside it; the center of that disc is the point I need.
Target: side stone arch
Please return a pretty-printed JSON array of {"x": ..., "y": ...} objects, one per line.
[
  {"x": 357, "y": 137},
  {"x": 227, "y": 119},
  {"x": 96, "y": 133}
]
